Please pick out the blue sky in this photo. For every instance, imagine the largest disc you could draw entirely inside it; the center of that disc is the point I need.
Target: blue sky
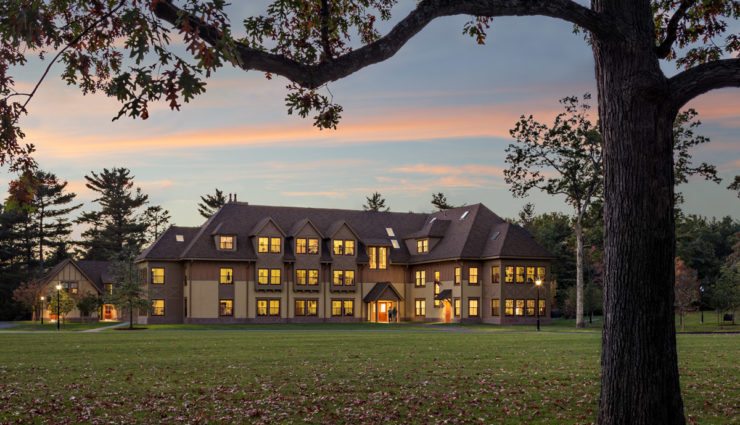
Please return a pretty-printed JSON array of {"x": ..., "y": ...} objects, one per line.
[{"x": 433, "y": 118}]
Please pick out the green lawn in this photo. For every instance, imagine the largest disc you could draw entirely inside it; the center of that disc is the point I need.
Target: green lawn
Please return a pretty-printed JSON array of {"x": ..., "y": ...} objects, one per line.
[
  {"x": 334, "y": 374},
  {"x": 52, "y": 327}
]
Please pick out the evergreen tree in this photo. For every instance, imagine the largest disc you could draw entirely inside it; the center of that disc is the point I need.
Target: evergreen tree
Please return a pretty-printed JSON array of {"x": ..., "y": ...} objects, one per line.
[
  {"x": 156, "y": 219},
  {"x": 12, "y": 270},
  {"x": 211, "y": 203},
  {"x": 526, "y": 215},
  {"x": 128, "y": 292},
  {"x": 735, "y": 186},
  {"x": 115, "y": 226},
  {"x": 375, "y": 202},
  {"x": 439, "y": 201}
]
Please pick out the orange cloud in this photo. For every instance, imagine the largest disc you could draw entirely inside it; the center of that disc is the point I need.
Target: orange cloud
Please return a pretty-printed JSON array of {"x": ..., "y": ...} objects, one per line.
[{"x": 473, "y": 169}]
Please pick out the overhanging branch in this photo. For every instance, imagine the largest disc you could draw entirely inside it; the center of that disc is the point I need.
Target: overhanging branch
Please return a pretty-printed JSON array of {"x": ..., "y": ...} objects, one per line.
[
  {"x": 664, "y": 49},
  {"x": 703, "y": 78},
  {"x": 315, "y": 75}
]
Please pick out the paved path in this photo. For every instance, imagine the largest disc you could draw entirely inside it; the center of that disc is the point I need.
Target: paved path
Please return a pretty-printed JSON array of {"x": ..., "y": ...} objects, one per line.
[
  {"x": 106, "y": 327},
  {"x": 5, "y": 325}
]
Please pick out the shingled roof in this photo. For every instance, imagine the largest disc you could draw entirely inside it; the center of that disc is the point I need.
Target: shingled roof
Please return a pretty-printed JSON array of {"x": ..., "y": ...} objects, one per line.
[
  {"x": 464, "y": 233},
  {"x": 97, "y": 272}
]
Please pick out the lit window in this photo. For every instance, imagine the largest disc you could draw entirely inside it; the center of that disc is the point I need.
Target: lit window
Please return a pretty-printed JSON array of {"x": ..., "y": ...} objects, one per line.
[
  {"x": 274, "y": 307},
  {"x": 436, "y": 277},
  {"x": 372, "y": 253},
  {"x": 109, "y": 288},
  {"x": 349, "y": 247},
  {"x": 226, "y": 276},
  {"x": 421, "y": 278},
  {"x": 542, "y": 308},
  {"x": 436, "y": 292},
  {"x": 70, "y": 287},
  {"x": 344, "y": 277},
  {"x": 509, "y": 274},
  {"x": 226, "y": 243},
  {"x": 473, "y": 307},
  {"x": 158, "y": 276},
  {"x": 519, "y": 274},
  {"x": 263, "y": 245},
  {"x": 509, "y": 307},
  {"x": 157, "y": 307},
  {"x": 275, "y": 277},
  {"x": 420, "y": 307},
  {"x": 495, "y": 307},
  {"x": 301, "y": 246},
  {"x": 301, "y": 277},
  {"x": 422, "y": 246},
  {"x": 306, "y": 307},
  {"x": 349, "y": 307},
  {"x": 313, "y": 277},
  {"x": 530, "y": 308},
  {"x": 268, "y": 307},
  {"x": 458, "y": 275},
  {"x": 473, "y": 276},
  {"x": 495, "y": 274},
  {"x": 338, "y": 247},
  {"x": 275, "y": 245},
  {"x": 225, "y": 307},
  {"x": 457, "y": 307},
  {"x": 382, "y": 257},
  {"x": 519, "y": 308},
  {"x": 338, "y": 277},
  {"x": 541, "y": 273},
  {"x": 336, "y": 308},
  {"x": 349, "y": 277},
  {"x": 313, "y": 246},
  {"x": 530, "y": 274},
  {"x": 263, "y": 276}
]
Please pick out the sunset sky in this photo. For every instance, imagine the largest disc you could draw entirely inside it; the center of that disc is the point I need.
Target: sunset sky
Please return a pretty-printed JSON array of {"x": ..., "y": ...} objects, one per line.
[{"x": 433, "y": 118}]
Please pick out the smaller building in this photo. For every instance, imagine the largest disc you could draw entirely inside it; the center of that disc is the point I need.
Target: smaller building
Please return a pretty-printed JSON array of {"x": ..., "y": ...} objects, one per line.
[{"x": 79, "y": 278}]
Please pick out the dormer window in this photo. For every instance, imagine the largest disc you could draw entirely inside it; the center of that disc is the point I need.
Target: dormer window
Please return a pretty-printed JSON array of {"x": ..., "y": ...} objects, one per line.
[
  {"x": 269, "y": 245},
  {"x": 344, "y": 247},
  {"x": 226, "y": 243},
  {"x": 422, "y": 246},
  {"x": 307, "y": 246}
]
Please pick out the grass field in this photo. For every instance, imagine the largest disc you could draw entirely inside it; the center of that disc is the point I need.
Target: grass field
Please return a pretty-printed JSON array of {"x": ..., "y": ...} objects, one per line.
[{"x": 335, "y": 374}]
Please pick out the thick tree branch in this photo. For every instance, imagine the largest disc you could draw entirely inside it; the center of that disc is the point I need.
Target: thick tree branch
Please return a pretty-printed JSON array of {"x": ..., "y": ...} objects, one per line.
[
  {"x": 664, "y": 49},
  {"x": 703, "y": 78},
  {"x": 312, "y": 76}
]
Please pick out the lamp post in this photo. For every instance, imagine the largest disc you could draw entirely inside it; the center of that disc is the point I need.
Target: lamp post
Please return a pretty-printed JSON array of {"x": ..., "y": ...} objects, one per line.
[
  {"x": 538, "y": 282},
  {"x": 41, "y": 310},
  {"x": 59, "y": 310},
  {"x": 701, "y": 302}
]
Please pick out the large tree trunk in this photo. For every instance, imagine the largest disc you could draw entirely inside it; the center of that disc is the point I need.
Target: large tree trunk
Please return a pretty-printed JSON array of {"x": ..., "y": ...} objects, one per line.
[
  {"x": 640, "y": 383},
  {"x": 580, "y": 323}
]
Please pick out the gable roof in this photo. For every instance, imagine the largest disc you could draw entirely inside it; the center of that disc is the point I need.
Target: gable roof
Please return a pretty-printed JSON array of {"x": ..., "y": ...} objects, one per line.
[
  {"x": 463, "y": 233},
  {"x": 97, "y": 272},
  {"x": 380, "y": 289}
]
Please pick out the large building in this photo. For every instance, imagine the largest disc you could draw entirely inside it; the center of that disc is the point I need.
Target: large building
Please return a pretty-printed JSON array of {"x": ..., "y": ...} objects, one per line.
[
  {"x": 79, "y": 278},
  {"x": 251, "y": 263}
]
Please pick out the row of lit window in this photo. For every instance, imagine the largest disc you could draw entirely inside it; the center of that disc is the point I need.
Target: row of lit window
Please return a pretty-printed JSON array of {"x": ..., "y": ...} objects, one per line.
[
  {"x": 517, "y": 307},
  {"x": 309, "y": 307},
  {"x": 420, "y": 307},
  {"x": 273, "y": 245},
  {"x": 518, "y": 274}
]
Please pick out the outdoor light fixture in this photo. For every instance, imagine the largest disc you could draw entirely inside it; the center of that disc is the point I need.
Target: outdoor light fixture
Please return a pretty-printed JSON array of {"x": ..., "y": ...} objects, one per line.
[
  {"x": 59, "y": 323},
  {"x": 538, "y": 282},
  {"x": 41, "y": 310}
]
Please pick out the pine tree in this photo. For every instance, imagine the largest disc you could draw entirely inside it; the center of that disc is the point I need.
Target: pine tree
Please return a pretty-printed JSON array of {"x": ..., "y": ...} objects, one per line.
[
  {"x": 211, "y": 203},
  {"x": 115, "y": 226},
  {"x": 439, "y": 200},
  {"x": 375, "y": 202},
  {"x": 156, "y": 219}
]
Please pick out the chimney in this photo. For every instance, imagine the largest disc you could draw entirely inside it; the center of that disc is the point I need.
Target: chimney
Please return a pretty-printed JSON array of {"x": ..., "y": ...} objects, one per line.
[
  {"x": 229, "y": 198},
  {"x": 235, "y": 197}
]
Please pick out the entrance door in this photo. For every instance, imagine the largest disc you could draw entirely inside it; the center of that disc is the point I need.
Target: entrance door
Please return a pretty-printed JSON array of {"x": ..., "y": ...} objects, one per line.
[
  {"x": 107, "y": 312},
  {"x": 383, "y": 311},
  {"x": 448, "y": 312}
]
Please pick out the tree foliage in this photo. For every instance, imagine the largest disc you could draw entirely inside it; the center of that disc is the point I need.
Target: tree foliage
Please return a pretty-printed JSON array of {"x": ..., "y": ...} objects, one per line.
[
  {"x": 439, "y": 201},
  {"x": 375, "y": 202},
  {"x": 115, "y": 226},
  {"x": 156, "y": 219},
  {"x": 87, "y": 304},
  {"x": 128, "y": 293},
  {"x": 211, "y": 203},
  {"x": 60, "y": 301}
]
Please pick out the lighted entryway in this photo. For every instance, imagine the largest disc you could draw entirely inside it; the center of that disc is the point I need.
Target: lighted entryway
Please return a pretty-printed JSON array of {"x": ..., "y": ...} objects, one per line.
[{"x": 383, "y": 304}]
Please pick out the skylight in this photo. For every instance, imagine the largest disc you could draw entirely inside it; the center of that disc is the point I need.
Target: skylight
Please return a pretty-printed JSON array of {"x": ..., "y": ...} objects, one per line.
[
  {"x": 432, "y": 220},
  {"x": 390, "y": 232},
  {"x": 465, "y": 214},
  {"x": 180, "y": 238},
  {"x": 395, "y": 243},
  {"x": 495, "y": 236}
]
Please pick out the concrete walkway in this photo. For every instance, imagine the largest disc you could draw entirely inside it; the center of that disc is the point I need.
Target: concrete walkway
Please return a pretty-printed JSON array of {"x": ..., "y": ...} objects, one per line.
[
  {"x": 6, "y": 325},
  {"x": 117, "y": 325}
]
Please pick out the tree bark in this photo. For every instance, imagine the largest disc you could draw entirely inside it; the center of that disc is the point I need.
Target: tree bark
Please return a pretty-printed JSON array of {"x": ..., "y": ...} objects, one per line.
[
  {"x": 640, "y": 381},
  {"x": 580, "y": 323}
]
